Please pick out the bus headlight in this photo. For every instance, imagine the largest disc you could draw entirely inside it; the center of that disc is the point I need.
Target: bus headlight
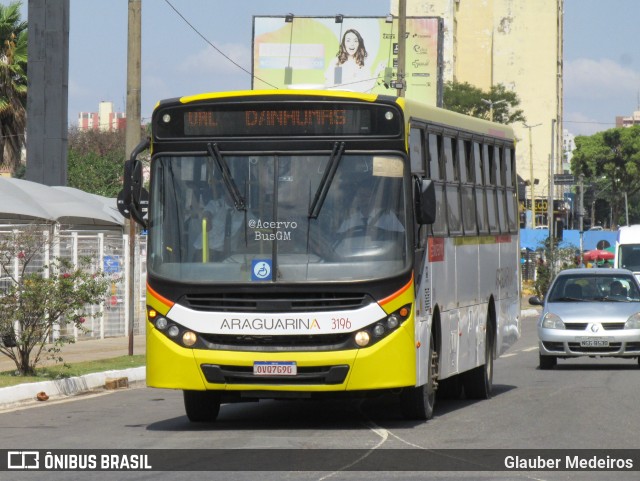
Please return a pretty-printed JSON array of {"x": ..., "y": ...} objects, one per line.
[
  {"x": 362, "y": 338},
  {"x": 393, "y": 321},
  {"x": 189, "y": 338},
  {"x": 382, "y": 328},
  {"x": 173, "y": 331},
  {"x": 378, "y": 330},
  {"x": 161, "y": 323}
]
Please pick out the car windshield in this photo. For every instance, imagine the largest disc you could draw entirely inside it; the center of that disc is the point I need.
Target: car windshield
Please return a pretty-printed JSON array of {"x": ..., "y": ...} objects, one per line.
[
  {"x": 278, "y": 218},
  {"x": 586, "y": 288}
]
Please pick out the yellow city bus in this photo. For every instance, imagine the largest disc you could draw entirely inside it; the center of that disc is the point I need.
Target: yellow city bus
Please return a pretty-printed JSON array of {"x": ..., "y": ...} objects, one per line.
[{"x": 309, "y": 244}]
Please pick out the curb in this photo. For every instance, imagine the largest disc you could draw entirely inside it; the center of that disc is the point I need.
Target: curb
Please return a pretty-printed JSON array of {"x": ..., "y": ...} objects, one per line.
[{"x": 20, "y": 394}]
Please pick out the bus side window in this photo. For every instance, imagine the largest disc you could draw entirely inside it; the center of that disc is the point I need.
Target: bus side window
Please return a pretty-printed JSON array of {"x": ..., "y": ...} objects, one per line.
[
  {"x": 489, "y": 187},
  {"x": 511, "y": 198},
  {"x": 435, "y": 147},
  {"x": 466, "y": 179},
  {"x": 500, "y": 188},
  {"x": 480, "y": 194},
  {"x": 452, "y": 186},
  {"x": 416, "y": 156}
]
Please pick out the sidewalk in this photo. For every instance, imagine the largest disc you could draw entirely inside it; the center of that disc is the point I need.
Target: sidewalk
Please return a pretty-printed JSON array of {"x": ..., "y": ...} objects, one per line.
[
  {"x": 86, "y": 350},
  {"x": 89, "y": 350}
]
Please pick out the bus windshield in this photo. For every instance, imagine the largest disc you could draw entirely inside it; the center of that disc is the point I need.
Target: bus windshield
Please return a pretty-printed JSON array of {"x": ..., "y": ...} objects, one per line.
[{"x": 259, "y": 218}]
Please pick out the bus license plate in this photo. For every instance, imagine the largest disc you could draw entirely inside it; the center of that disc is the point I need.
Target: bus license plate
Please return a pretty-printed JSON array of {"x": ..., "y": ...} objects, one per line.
[
  {"x": 594, "y": 343},
  {"x": 276, "y": 368}
]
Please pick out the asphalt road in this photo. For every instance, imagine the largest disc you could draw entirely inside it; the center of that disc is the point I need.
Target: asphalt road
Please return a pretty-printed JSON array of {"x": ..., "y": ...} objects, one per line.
[{"x": 582, "y": 404}]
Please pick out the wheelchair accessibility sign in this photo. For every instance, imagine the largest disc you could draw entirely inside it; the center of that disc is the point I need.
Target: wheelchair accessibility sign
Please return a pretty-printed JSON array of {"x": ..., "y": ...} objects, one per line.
[{"x": 261, "y": 270}]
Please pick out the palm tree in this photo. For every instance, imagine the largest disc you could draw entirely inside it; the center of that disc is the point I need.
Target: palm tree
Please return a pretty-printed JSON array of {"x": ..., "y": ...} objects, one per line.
[{"x": 13, "y": 85}]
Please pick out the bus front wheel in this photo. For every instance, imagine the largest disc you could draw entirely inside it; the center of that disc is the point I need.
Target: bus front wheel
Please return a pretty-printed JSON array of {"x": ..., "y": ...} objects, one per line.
[
  {"x": 418, "y": 402},
  {"x": 201, "y": 406}
]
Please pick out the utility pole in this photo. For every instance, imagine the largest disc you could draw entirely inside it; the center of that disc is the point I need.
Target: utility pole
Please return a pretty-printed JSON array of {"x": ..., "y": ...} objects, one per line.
[
  {"x": 581, "y": 215},
  {"x": 550, "y": 219},
  {"x": 532, "y": 180},
  {"x": 132, "y": 139},
  {"x": 401, "y": 85}
]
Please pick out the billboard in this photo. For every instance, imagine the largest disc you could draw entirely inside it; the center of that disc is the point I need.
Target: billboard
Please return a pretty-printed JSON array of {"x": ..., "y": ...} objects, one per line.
[{"x": 358, "y": 54}]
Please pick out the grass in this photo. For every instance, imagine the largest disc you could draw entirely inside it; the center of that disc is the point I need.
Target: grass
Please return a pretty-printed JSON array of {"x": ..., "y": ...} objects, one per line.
[{"x": 50, "y": 373}]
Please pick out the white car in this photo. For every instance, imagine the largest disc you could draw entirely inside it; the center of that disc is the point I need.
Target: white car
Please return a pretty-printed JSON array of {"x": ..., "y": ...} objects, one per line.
[{"x": 589, "y": 312}]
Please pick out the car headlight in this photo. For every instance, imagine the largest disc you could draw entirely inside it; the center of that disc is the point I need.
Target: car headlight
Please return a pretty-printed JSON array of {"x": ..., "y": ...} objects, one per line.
[
  {"x": 552, "y": 321},
  {"x": 633, "y": 322}
]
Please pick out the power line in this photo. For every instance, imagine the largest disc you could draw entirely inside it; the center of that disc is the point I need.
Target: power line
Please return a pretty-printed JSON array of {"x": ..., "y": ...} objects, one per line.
[{"x": 214, "y": 47}]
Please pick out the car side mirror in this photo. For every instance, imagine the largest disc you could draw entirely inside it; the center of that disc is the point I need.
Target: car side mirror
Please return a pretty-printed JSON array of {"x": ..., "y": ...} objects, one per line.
[{"x": 535, "y": 301}]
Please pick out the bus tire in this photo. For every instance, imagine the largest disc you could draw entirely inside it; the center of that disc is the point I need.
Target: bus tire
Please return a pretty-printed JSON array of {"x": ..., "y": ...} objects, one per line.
[
  {"x": 201, "y": 406},
  {"x": 418, "y": 402},
  {"x": 478, "y": 382}
]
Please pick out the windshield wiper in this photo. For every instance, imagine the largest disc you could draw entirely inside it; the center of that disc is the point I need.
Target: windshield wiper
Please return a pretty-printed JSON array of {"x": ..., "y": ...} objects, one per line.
[
  {"x": 567, "y": 299},
  {"x": 232, "y": 188},
  {"x": 327, "y": 179}
]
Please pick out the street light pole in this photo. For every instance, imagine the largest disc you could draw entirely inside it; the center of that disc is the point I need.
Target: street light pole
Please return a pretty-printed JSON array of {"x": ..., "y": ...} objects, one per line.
[
  {"x": 491, "y": 103},
  {"x": 402, "y": 42},
  {"x": 533, "y": 205}
]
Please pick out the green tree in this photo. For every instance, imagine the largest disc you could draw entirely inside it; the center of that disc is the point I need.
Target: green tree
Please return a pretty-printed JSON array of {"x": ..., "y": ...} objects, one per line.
[
  {"x": 95, "y": 161},
  {"x": 38, "y": 300},
  {"x": 13, "y": 85},
  {"x": 466, "y": 99},
  {"x": 610, "y": 162}
]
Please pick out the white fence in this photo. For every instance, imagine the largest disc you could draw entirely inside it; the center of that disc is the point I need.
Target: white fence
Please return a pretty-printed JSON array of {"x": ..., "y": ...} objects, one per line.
[{"x": 109, "y": 252}]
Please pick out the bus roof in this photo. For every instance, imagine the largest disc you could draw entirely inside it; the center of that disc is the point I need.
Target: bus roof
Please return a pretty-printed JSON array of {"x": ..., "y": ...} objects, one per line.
[{"x": 414, "y": 109}]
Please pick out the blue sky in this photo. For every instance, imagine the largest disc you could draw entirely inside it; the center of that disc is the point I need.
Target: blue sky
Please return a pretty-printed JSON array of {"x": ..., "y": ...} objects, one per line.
[{"x": 601, "y": 59}]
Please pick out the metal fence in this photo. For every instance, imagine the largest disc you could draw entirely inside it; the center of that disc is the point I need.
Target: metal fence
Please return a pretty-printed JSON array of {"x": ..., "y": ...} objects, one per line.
[{"x": 109, "y": 252}]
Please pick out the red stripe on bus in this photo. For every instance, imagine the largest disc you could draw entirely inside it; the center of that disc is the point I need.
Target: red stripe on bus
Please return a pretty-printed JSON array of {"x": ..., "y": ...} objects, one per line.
[
  {"x": 503, "y": 238},
  {"x": 399, "y": 292},
  {"x": 163, "y": 300}
]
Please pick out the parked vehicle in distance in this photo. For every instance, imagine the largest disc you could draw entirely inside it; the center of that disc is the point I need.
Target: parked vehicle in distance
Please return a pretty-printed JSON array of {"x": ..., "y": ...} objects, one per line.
[
  {"x": 627, "y": 253},
  {"x": 589, "y": 312},
  {"x": 596, "y": 227},
  {"x": 542, "y": 227}
]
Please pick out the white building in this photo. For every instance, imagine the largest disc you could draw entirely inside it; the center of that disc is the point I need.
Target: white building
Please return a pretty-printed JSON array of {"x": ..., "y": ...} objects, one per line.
[{"x": 104, "y": 119}]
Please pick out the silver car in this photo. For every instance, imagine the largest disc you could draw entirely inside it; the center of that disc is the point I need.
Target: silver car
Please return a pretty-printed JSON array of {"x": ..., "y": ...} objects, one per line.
[{"x": 589, "y": 312}]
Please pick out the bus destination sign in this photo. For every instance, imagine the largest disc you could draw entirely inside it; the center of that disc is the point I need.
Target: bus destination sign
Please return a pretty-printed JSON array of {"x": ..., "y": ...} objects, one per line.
[
  {"x": 274, "y": 121},
  {"x": 254, "y": 120}
]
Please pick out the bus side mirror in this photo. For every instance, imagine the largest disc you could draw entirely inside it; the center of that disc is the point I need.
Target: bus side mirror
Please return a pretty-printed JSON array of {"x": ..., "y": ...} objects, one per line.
[
  {"x": 425, "y": 201},
  {"x": 133, "y": 200}
]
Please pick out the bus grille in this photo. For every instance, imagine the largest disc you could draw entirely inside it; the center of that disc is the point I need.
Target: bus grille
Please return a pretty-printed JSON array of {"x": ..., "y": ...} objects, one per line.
[
  {"x": 270, "y": 302},
  {"x": 318, "y": 342}
]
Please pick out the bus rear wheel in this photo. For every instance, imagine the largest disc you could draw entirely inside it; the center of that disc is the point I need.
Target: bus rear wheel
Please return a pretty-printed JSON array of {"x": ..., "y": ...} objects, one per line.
[
  {"x": 418, "y": 402},
  {"x": 201, "y": 406},
  {"x": 478, "y": 383}
]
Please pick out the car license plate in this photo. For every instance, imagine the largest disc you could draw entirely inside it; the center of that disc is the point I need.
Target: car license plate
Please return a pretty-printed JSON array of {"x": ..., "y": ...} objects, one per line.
[
  {"x": 275, "y": 368},
  {"x": 594, "y": 343}
]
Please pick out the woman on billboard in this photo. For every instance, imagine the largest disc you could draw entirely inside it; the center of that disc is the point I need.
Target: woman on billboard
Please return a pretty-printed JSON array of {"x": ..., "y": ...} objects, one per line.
[{"x": 349, "y": 70}]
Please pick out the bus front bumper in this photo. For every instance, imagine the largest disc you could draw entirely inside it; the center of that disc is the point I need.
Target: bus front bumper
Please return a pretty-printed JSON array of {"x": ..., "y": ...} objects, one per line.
[{"x": 388, "y": 364}]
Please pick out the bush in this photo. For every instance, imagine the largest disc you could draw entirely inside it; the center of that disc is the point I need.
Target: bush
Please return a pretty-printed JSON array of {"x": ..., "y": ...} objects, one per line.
[{"x": 39, "y": 301}]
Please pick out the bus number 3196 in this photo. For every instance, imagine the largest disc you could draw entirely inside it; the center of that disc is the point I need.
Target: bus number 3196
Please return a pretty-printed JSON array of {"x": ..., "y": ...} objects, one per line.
[{"x": 340, "y": 323}]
